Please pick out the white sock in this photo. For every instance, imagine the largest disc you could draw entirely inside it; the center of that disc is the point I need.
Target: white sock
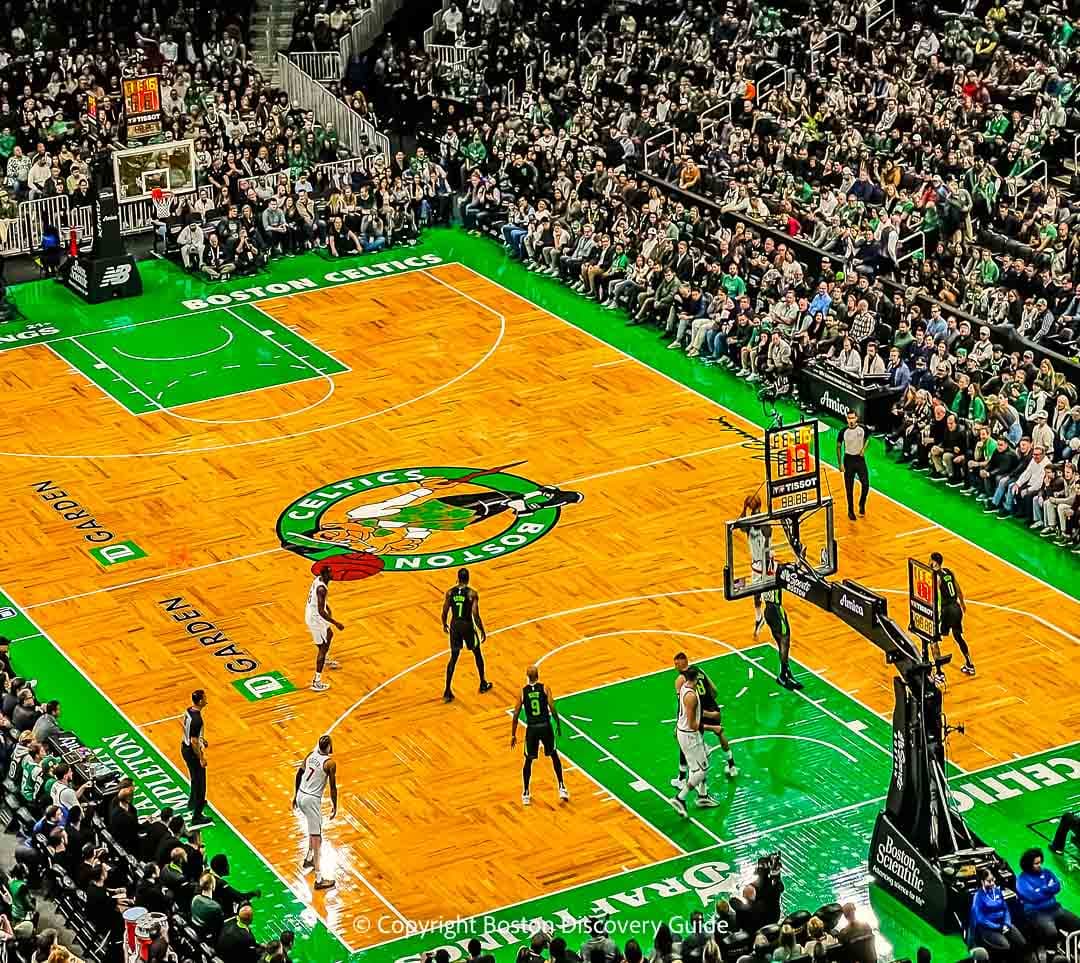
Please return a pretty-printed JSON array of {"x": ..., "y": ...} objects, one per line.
[{"x": 318, "y": 675}]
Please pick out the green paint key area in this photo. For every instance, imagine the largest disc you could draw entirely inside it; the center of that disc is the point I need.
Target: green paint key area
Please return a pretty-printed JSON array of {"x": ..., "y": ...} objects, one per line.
[
  {"x": 200, "y": 357},
  {"x": 789, "y": 748}
]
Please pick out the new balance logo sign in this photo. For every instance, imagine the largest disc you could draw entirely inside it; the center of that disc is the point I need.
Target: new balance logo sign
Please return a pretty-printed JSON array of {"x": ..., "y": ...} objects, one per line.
[{"x": 116, "y": 275}]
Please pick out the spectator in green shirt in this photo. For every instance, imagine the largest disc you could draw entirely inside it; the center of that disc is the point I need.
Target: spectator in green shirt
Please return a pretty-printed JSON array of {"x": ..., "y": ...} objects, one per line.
[
  {"x": 989, "y": 272},
  {"x": 732, "y": 284},
  {"x": 474, "y": 152},
  {"x": 22, "y": 900},
  {"x": 903, "y": 338},
  {"x": 29, "y": 771}
]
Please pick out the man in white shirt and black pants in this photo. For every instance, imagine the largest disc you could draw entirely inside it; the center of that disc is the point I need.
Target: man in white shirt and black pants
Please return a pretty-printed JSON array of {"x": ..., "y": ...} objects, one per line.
[
  {"x": 193, "y": 749},
  {"x": 851, "y": 456}
]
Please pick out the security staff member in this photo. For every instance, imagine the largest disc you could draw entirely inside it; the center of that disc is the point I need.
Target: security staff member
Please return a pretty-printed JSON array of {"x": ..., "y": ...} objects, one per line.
[
  {"x": 193, "y": 749},
  {"x": 850, "y": 453}
]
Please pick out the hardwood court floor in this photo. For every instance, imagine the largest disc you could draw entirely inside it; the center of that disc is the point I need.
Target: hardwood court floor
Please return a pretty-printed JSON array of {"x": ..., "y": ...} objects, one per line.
[{"x": 448, "y": 369}]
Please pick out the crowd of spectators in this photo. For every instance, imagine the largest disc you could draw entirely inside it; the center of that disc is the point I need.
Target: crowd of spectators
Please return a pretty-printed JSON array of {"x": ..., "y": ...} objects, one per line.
[
  {"x": 769, "y": 189},
  {"x": 238, "y": 228},
  {"x": 244, "y": 130},
  {"x": 82, "y": 860}
]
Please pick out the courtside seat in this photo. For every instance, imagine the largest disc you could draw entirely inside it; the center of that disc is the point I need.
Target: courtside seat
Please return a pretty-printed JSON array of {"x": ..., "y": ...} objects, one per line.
[
  {"x": 830, "y": 914},
  {"x": 797, "y": 921},
  {"x": 735, "y": 944},
  {"x": 24, "y": 819},
  {"x": 771, "y": 932}
]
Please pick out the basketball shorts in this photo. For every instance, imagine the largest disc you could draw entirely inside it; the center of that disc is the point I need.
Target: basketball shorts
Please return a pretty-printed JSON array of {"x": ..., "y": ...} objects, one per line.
[
  {"x": 537, "y": 736},
  {"x": 693, "y": 750},
  {"x": 311, "y": 809},
  {"x": 952, "y": 618},
  {"x": 462, "y": 635},
  {"x": 319, "y": 629}
]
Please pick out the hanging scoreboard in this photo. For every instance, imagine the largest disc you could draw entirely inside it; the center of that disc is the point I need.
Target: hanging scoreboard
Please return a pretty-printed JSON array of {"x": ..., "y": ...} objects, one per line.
[
  {"x": 792, "y": 468},
  {"x": 142, "y": 106},
  {"x": 923, "y": 601}
]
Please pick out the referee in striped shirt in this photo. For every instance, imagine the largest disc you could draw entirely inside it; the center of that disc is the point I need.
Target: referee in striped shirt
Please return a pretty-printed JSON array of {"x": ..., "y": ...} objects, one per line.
[
  {"x": 193, "y": 749},
  {"x": 851, "y": 455}
]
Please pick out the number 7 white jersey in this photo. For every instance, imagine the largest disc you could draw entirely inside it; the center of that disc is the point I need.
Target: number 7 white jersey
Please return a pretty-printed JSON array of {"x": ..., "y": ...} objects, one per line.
[{"x": 314, "y": 779}]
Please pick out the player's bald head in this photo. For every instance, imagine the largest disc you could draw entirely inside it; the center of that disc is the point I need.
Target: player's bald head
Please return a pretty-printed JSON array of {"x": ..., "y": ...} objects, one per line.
[{"x": 533, "y": 673}]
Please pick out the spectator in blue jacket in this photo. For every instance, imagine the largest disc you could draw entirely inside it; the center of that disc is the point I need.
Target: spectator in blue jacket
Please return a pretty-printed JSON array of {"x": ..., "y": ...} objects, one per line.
[
  {"x": 1038, "y": 888},
  {"x": 991, "y": 923}
]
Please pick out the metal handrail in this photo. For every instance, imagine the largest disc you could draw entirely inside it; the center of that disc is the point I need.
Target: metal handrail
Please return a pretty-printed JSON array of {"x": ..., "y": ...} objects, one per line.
[
  {"x": 325, "y": 66},
  {"x": 669, "y": 133},
  {"x": 1023, "y": 176},
  {"x": 889, "y": 13},
  {"x": 823, "y": 49},
  {"x": 920, "y": 248},
  {"x": 356, "y": 132},
  {"x": 708, "y": 125},
  {"x": 1072, "y": 946},
  {"x": 760, "y": 85},
  {"x": 452, "y": 55}
]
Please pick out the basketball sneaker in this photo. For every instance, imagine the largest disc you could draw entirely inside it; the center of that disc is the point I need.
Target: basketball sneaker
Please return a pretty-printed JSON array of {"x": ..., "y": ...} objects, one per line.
[
  {"x": 707, "y": 802},
  {"x": 564, "y": 794},
  {"x": 788, "y": 681},
  {"x": 679, "y": 806},
  {"x": 732, "y": 770},
  {"x": 325, "y": 883},
  {"x": 677, "y": 783},
  {"x": 486, "y": 687},
  {"x": 319, "y": 685},
  {"x": 967, "y": 668},
  {"x": 448, "y": 697},
  {"x": 525, "y": 799}
]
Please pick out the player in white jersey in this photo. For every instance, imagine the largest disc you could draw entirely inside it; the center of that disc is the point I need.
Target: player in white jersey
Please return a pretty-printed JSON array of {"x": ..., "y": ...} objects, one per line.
[
  {"x": 322, "y": 623},
  {"x": 759, "y": 539},
  {"x": 690, "y": 732},
  {"x": 319, "y": 768}
]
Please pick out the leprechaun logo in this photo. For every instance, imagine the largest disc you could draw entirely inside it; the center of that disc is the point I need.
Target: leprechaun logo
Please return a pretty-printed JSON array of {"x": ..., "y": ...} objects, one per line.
[{"x": 419, "y": 519}]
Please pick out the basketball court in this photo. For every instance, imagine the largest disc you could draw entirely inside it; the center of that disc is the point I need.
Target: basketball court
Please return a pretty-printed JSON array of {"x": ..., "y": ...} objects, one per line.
[{"x": 174, "y": 466}]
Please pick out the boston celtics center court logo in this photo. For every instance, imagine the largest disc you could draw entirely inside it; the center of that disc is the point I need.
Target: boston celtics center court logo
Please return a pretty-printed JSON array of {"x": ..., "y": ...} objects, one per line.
[{"x": 419, "y": 519}]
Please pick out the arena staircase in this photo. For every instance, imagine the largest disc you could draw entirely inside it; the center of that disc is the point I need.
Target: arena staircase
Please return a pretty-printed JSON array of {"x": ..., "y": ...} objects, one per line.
[{"x": 271, "y": 31}]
